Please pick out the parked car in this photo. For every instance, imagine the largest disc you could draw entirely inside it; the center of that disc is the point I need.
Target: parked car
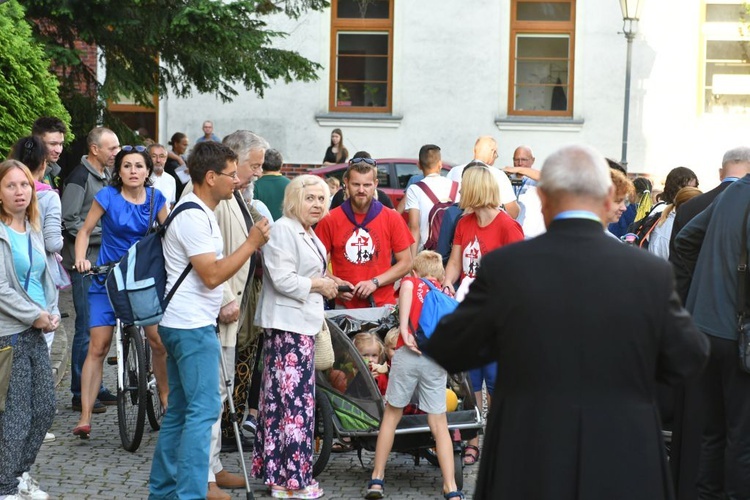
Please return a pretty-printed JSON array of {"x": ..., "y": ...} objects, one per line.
[{"x": 393, "y": 174}]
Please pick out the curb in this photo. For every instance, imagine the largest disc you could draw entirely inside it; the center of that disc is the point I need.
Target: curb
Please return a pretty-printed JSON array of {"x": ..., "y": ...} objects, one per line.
[{"x": 60, "y": 354}]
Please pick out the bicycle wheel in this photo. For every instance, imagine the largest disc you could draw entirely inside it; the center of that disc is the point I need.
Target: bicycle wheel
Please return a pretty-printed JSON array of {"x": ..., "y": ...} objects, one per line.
[
  {"x": 154, "y": 409},
  {"x": 131, "y": 407},
  {"x": 323, "y": 438}
]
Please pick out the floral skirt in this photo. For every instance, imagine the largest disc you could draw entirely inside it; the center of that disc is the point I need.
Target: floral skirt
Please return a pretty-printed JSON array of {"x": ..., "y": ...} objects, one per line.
[{"x": 286, "y": 418}]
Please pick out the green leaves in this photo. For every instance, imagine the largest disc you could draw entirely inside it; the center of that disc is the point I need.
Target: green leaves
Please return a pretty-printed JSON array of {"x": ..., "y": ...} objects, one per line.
[{"x": 28, "y": 89}]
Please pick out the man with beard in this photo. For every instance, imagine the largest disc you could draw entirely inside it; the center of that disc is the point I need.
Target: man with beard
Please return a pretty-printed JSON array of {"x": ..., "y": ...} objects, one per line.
[
  {"x": 361, "y": 236},
  {"x": 235, "y": 218}
]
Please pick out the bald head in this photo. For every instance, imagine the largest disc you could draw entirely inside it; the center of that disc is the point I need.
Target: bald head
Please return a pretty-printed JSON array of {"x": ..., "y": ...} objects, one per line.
[
  {"x": 575, "y": 178},
  {"x": 523, "y": 157},
  {"x": 485, "y": 149}
]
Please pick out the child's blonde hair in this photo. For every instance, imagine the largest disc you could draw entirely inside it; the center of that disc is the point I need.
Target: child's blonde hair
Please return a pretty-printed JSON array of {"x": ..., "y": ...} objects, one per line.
[
  {"x": 429, "y": 263},
  {"x": 361, "y": 340},
  {"x": 391, "y": 338}
]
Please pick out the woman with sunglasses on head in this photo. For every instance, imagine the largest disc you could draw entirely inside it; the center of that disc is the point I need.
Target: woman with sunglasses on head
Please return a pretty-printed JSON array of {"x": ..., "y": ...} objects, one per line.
[
  {"x": 360, "y": 157},
  {"x": 127, "y": 208}
]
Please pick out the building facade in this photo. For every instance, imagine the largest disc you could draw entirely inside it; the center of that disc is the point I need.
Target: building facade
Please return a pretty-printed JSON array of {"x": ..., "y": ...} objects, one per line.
[{"x": 401, "y": 73}]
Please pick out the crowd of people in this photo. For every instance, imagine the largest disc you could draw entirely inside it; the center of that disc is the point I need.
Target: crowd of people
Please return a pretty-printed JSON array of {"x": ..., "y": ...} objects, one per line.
[{"x": 263, "y": 255}]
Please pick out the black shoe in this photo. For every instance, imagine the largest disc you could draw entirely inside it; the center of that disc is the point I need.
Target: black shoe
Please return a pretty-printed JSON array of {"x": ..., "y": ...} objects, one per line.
[
  {"x": 229, "y": 445},
  {"x": 98, "y": 406},
  {"x": 107, "y": 398}
]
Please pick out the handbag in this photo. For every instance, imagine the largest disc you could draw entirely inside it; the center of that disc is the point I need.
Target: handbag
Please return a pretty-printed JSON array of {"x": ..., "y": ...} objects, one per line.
[
  {"x": 6, "y": 363},
  {"x": 323, "y": 348},
  {"x": 743, "y": 324},
  {"x": 61, "y": 277}
]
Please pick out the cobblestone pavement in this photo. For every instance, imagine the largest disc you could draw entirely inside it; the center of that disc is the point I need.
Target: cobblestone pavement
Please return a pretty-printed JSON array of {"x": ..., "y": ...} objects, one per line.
[{"x": 69, "y": 468}]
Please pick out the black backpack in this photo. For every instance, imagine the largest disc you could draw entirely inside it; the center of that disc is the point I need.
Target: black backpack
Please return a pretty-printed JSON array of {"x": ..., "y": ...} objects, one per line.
[{"x": 642, "y": 228}]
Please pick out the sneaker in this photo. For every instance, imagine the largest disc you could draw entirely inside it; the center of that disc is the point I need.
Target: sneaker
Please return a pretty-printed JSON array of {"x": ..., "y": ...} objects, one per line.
[
  {"x": 107, "y": 398},
  {"x": 49, "y": 437},
  {"x": 14, "y": 497},
  {"x": 98, "y": 406},
  {"x": 29, "y": 488},
  {"x": 250, "y": 425}
]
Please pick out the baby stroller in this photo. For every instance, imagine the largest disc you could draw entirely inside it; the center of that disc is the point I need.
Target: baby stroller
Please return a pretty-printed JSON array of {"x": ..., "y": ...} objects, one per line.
[{"x": 350, "y": 406}]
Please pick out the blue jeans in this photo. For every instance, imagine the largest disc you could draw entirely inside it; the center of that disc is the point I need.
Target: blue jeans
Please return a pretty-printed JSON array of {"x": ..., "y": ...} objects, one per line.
[
  {"x": 79, "y": 351},
  {"x": 180, "y": 465}
]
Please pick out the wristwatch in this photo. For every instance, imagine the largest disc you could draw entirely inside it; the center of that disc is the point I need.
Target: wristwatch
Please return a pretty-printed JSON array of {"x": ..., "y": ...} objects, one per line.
[{"x": 377, "y": 283}]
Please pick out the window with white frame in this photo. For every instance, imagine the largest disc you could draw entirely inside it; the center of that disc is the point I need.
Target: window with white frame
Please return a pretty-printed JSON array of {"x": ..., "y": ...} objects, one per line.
[
  {"x": 361, "y": 55},
  {"x": 542, "y": 54},
  {"x": 726, "y": 57}
]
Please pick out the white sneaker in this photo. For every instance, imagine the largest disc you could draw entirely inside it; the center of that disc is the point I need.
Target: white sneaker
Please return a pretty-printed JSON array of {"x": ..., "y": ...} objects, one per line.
[
  {"x": 29, "y": 488},
  {"x": 49, "y": 437},
  {"x": 14, "y": 497}
]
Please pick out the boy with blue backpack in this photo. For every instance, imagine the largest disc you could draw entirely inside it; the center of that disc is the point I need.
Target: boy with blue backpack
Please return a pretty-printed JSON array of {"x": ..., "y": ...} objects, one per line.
[{"x": 421, "y": 303}]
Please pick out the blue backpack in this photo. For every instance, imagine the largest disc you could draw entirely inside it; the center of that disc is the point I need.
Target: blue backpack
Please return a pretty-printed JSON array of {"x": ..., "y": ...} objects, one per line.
[
  {"x": 436, "y": 305},
  {"x": 136, "y": 285}
]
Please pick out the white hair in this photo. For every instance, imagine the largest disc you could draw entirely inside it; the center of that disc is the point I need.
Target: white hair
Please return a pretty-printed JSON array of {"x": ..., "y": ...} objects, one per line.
[{"x": 578, "y": 170}]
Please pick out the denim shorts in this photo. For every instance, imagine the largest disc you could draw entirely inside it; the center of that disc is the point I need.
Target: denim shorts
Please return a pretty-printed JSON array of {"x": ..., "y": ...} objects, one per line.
[{"x": 411, "y": 372}]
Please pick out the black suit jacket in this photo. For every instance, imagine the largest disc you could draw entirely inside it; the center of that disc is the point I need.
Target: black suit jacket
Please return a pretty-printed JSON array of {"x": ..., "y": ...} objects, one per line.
[
  {"x": 581, "y": 326},
  {"x": 683, "y": 215}
]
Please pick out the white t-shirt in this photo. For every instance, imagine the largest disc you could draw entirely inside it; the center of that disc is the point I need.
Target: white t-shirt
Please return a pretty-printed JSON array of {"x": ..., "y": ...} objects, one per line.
[
  {"x": 192, "y": 232},
  {"x": 530, "y": 217},
  {"x": 166, "y": 184},
  {"x": 507, "y": 195},
  {"x": 416, "y": 198}
]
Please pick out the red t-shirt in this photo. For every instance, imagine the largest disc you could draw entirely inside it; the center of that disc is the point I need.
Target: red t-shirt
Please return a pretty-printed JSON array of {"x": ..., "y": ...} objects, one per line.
[
  {"x": 360, "y": 255},
  {"x": 477, "y": 241},
  {"x": 419, "y": 292}
]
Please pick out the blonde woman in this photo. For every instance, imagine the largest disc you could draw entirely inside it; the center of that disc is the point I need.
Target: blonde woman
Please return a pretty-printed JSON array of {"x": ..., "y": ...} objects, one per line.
[
  {"x": 290, "y": 311},
  {"x": 659, "y": 238},
  {"x": 28, "y": 309}
]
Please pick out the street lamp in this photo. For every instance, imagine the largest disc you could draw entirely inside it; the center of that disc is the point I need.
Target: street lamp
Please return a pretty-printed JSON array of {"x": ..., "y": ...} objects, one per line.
[{"x": 631, "y": 12}]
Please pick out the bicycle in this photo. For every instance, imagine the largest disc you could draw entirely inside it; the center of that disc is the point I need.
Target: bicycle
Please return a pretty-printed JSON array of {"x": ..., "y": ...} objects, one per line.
[{"x": 137, "y": 393}]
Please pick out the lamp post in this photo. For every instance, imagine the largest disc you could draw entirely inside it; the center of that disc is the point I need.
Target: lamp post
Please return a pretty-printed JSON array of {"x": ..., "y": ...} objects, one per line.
[{"x": 631, "y": 12}]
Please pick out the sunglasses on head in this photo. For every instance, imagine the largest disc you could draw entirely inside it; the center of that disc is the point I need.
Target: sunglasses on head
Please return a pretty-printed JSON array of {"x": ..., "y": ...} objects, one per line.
[
  {"x": 369, "y": 161},
  {"x": 139, "y": 149}
]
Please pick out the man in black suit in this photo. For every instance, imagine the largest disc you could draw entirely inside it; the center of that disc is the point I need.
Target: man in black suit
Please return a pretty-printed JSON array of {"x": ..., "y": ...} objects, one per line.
[
  {"x": 690, "y": 405},
  {"x": 689, "y": 410},
  {"x": 734, "y": 166},
  {"x": 582, "y": 326}
]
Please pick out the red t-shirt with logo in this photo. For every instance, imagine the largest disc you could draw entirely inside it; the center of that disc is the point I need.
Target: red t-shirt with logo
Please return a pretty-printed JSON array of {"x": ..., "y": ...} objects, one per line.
[
  {"x": 362, "y": 254},
  {"x": 477, "y": 241}
]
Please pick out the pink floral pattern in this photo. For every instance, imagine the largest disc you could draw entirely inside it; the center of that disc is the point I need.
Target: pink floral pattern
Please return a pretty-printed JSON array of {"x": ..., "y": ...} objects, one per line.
[{"x": 284, "y": 440}]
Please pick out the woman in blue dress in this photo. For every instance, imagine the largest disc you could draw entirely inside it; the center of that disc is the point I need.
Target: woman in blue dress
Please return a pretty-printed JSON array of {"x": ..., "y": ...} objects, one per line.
[{"x": 124, "y": 208}]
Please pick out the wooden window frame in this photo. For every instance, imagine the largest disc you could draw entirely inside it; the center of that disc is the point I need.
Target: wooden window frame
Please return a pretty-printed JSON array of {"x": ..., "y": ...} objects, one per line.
[
  {"x": 566, "y": 28},
  {"x": 354, "y": 25},
  {"x": 136, "y": 108}
]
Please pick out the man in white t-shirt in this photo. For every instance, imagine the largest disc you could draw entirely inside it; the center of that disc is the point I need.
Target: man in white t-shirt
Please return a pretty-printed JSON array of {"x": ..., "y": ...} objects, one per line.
[
  {"x": 164, "y": 183},
  {"x": 485, "y": 150},
  {"x": 418, "y": 202},
  {"x": 188, "y": 328}
]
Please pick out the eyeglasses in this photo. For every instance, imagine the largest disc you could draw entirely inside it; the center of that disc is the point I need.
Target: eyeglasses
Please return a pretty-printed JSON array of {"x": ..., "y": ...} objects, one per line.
[
  {"x": 357, "y": 160},
  {"x": 139, "y": 149},
  {"x": 233, "y": 175}
]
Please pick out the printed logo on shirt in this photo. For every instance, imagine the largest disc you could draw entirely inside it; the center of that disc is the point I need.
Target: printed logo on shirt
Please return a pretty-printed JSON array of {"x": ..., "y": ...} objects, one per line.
[
  {"x": 360, "y": 247},
  {"x": 472, "y": 256}
]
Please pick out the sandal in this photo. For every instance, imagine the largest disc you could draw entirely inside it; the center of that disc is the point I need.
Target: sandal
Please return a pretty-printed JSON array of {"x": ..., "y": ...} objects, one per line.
[
  {"x": 454, "y": 494},
  {"x": 342, "y": 446},
  {"x": 372, "y": 493},
  {"x": 470, "y": 454}
]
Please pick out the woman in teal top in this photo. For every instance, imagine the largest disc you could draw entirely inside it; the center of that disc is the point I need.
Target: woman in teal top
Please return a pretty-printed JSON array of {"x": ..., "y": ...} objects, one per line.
[{"x": 28, "y": 308}]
